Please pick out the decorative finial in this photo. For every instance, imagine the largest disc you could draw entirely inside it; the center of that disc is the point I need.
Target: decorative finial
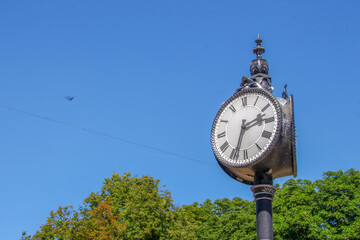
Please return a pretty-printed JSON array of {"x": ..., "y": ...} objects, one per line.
[
  {"x": 259, "y": 69},
  {"x": 258, "y": 49},
  {"x": 259, "y": 65},
  {"x": 284, "y": 93}
]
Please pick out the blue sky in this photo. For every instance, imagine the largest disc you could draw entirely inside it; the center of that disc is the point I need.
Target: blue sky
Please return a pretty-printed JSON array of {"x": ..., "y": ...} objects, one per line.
[{"x": 154, "y": 73}]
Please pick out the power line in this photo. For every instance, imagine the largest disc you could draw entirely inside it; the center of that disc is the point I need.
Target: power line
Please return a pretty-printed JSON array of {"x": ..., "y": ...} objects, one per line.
[{"x": 110, "y": 137}]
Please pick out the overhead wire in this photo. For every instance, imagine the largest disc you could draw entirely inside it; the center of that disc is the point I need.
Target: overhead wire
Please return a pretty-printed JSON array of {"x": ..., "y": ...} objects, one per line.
[{"x": 111, "y": 137}]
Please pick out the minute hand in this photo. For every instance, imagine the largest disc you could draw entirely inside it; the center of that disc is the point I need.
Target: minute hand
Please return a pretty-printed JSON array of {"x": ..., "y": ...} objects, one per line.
[{"x": 242, "y": 131}]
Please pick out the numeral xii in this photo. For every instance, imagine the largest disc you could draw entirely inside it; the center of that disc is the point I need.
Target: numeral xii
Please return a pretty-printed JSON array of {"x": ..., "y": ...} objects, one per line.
[{"x": 244, "y": 101}]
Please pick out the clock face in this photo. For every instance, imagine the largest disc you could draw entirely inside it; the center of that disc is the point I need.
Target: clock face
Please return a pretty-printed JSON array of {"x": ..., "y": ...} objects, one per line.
[{"x": 246, "y": 127}]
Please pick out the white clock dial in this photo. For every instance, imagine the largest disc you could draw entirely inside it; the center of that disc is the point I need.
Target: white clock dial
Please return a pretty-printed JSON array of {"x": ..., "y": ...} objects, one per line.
[{"x": 246, "y": 127}]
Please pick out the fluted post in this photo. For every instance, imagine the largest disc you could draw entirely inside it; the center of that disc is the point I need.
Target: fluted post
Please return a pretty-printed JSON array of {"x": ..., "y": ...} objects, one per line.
[{"x": 263, "y": 192}]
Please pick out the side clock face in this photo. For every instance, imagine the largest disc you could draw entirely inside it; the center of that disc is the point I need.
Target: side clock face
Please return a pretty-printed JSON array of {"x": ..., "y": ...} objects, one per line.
[{"x": 246, "y": 127}]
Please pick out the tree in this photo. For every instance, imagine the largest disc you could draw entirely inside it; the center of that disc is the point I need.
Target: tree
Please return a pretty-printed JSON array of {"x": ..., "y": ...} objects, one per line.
[
  {"x": 222, "y": 219},
  {"x": 328, "y": 208},
  {"x": 294, "y": 212},
  {"x": 338, "y": 204},
  {"x": 125, "y": 208},
  {"x": 138, "y": 204},
  {"x": 129, "y": 207}
]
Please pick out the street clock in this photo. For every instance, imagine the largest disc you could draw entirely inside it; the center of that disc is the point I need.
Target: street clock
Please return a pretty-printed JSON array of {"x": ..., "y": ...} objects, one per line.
[{"x": 254, "y": 132}]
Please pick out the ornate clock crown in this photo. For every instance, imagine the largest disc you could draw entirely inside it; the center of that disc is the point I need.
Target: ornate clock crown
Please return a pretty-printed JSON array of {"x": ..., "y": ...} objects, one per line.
[
  {"x": 259, "y": 69},
  {"x": 259, "y": 65}
]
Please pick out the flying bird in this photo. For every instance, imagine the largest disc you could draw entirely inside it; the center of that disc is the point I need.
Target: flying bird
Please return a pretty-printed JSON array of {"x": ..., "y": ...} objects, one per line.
[{"x": 69, "y": 98}]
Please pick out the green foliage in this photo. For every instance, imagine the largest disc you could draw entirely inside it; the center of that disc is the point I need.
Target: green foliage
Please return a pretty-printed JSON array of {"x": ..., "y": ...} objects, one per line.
[
  {"x": 125, "y": 208},
  {"x": 293, "y": 211},
  {"x": 138, "y": 204},
  {"x": 129, "y": 207},
  {"x": 65, "y": 223},
  {"x": 325, "y": 209},
  {"x": 338, "y": 204},
  {"x": 222, "y": 219}
]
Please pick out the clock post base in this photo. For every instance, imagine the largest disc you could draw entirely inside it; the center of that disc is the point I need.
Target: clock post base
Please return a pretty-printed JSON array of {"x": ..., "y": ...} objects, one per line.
[{"x": 263, "y": 192}]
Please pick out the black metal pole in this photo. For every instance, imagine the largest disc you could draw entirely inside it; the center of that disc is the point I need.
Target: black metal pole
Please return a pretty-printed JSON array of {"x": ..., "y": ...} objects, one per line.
[{"x": 263, "y": 192}]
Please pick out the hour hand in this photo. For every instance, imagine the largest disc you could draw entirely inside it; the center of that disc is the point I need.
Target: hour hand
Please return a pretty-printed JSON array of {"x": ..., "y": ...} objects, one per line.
[{"x": 257, "y": 120}]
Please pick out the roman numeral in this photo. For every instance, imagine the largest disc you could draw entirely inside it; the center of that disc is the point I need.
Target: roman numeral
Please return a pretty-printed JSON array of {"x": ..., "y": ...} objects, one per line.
[
  {"x": 224, "y": 146},
  {"x": 267, "y": 120},
  {"x": 258, "y": 146},
  {"x": 246, "y": 154},
  {"x": 264, "y": 108},
  {"x": 244, "y": 101},
  {"x": 232, "y": 108},
  {"x": 256, "y": 100},
  {"x": 234, "y": 154},
  {"x": 266, "y": 134},
  {"x": 221, "y": 135}
]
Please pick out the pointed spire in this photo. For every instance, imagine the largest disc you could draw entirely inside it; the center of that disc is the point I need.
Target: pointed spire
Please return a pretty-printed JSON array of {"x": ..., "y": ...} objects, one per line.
[
  {"x": 259, "y": 65},
  {"x": 259, "y": 69},
  {"x": 258, "y": 49}
]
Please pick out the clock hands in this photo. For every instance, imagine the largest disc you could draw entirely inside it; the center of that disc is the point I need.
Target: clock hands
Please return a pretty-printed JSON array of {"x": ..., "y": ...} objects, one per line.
[
  {"x": 245, "y": 126},
  {"x": 259, "y": 118},
  {"x": 242, "y": 131}
]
